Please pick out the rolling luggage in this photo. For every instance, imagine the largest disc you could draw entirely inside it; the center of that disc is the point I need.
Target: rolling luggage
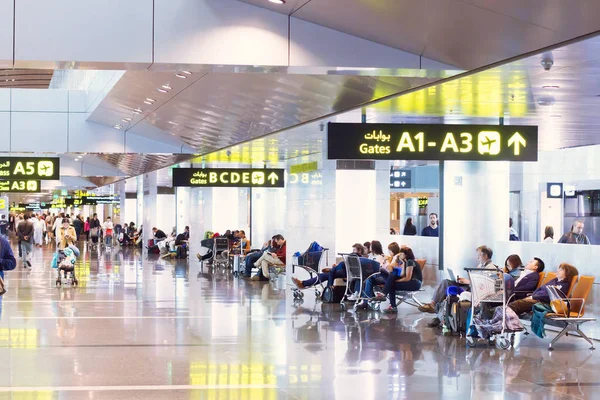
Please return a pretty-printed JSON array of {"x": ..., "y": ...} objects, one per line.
[{"x": 453, "y": 314}]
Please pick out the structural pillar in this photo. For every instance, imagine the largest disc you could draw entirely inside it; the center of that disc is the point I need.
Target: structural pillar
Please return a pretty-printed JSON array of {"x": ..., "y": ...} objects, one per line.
[
  {"x": 149, "y": 201},
  {"x": 475, "y": 201}
]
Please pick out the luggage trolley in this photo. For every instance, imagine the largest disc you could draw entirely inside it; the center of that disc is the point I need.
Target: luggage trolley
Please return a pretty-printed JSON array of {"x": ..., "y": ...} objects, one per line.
[
  {"x": 491, "y": 286},
  {"x": 311, "y": 261},
  {"x": 220, "y": 256},
  {"x": 354, "y": 272}
]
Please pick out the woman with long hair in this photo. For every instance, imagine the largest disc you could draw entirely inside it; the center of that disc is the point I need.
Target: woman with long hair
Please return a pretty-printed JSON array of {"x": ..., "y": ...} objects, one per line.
[
  {"x": 406, "y": 276},
  {"x": 409, "y": 228}
]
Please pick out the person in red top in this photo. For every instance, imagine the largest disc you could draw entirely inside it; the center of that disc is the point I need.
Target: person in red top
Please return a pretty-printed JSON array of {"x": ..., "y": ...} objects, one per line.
[{"x": 268, "y": 258}]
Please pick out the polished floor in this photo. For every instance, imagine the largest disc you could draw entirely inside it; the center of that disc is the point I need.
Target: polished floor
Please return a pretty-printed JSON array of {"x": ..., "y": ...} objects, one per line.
[{"x": 142, "y": 328}]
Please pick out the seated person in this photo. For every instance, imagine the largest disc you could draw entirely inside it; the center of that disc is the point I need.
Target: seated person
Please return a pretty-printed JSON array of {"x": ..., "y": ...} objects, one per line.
[
  {"x": 528, "y": 279},
  {"x": 563, "y": 279},
  {"x": 158, "y": 236},
  {"x": 407, "y": 275},
  {"x": 484, "y": 256},
  {"x": 513, "y": 266},
  {"x": 333, "y": 273},
  {"x": 387, "y": 265},
  {"x": 269, "y": 258},
  {"x": 253, "y": 256},
  {"x": 241, "y": 245}
]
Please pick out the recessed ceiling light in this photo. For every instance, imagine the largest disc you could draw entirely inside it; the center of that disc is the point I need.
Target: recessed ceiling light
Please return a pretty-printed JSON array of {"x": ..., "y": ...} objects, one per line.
[
  {"x": 181, "y": 76},
  {"x": 186, "y": 72},
  {"x": 150, "y": 100},
  {"x": 117, "y": 126},
  {"x": 138, "y": 111},
  {"x": 550, "y": 87},
  {"x": 162, "y": 90},
  {"x": 126, "y": 119},
  {"x": 173, "y": 123},
  {"x": 147, "y": 102},
  {"x": 166, "y": 87},
  {"x": 277, "y": 1}
]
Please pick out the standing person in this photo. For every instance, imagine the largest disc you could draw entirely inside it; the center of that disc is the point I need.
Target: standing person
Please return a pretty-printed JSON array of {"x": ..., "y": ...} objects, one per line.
[
  {"x": 576, "y": 235},
  {"x": 4, "y": 226},
  {"x": 513, "y": 235},
  {"x": 432, "y": 229},
  {"x": 548, "y": 234},
  {"x": 86, "y": 229},
  {"x": 78, "y": 225},
  {"x": 38, "y": 231},
  {"x": 49, "y": 225},
  {"x": 7, "y": 260},
  {"x": 94, "y": 228},
  {"x": 11, "y": 223},
  {"x": 107, "y": 229},
  {"x": 66, "y": 236},
  {"x": 409, "y": 228},
  {"x": 25, "y": 234}
]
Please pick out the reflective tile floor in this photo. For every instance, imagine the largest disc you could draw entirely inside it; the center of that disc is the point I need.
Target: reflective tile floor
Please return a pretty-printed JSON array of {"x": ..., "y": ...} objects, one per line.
[{"x": 142, "y": 328}]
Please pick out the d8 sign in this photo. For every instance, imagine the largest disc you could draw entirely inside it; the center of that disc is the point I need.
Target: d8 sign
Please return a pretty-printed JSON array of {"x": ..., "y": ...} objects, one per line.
[
  {"x": 36, "y": 168},
  {"x": 432, "y": 142}
]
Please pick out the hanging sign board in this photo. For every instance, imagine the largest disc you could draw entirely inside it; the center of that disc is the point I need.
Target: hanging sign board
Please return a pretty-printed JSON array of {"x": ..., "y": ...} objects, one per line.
[
  {"x": 432, "y": 142},
  {"x": 228, "y": 177},
  {"x": 41, "y": 168},
  {"x": 20, "y": 186}
]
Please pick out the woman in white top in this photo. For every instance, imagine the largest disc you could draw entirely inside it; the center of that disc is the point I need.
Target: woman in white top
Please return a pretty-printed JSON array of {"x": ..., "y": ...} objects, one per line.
[
  {"x": 107, "y": 230},
  {"x": 548, "y": 234}
]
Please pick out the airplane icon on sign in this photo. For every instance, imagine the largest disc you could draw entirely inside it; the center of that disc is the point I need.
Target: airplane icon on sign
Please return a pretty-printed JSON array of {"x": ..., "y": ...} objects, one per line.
[{"x": 488, "y": 142}]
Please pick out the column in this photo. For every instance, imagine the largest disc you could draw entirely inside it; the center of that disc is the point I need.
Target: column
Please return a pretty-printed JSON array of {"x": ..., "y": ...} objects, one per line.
[
  {"x": 150, "y": 199},
  {"x": 183, "y": 202},
  {"x": 475, "y": 201}
]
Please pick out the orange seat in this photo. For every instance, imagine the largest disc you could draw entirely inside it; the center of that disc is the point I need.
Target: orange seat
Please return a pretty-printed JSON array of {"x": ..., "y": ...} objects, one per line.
[
  {"x": 573, "y": 285},
  {"x": 541, "y": 279},
  {"x": 549, "y": 276}
]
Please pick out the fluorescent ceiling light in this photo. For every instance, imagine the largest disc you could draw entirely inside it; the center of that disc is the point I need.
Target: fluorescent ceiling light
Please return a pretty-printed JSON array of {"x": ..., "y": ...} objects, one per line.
[
  {"x": 138, "y": 111},
  {"x": 181, "y": 76},
  {"x": 167, "y": 87},
  {"x": 277, "y": 1},
  {"x": 162, "y": 90},
  {"x": 126, "y": 119},
  {"x": 186, "y": 72},
  {"x": 147, "y": 102},
  {"x": 150, "y": 100}
]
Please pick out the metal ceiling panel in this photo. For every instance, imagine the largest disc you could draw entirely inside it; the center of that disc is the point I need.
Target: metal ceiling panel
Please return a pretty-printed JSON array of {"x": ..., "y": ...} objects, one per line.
[
  {"x": 25, "y": 78},
  {"x": 464, "y": 33},
  {"x": 222, "y": 109},
  {"x": 137, "y": 164}
]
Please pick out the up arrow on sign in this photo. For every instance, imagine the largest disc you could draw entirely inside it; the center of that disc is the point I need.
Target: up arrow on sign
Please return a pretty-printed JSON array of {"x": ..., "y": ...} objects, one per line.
[
  {"x": 273, "y": 178},
  {"x": 517, "y": 140}
]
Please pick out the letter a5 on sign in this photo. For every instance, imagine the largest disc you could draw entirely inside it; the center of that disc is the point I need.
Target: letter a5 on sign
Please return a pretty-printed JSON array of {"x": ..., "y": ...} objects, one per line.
[{"x": 432, "y": 142}]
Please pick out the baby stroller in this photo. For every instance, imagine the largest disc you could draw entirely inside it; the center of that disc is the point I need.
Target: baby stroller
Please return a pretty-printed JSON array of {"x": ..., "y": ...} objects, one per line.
[
  {"x": 64, "y": 262},
  {"x": 488, "y": 288},
  {"x": 310, "y": 261}
]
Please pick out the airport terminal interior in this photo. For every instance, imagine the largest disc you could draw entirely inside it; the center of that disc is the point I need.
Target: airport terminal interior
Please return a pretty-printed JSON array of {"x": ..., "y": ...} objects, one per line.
[{"x": 299, "y": 199}]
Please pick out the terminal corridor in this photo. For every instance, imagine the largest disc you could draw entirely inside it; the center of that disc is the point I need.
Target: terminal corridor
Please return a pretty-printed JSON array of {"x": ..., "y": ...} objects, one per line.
[{"x": 142, "y": 327}]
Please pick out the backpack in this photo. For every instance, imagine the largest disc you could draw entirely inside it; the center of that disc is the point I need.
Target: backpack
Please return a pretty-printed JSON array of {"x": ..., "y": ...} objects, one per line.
[
  {"x": 453, "y": 314},
  {"x": 333, "y": 294}
]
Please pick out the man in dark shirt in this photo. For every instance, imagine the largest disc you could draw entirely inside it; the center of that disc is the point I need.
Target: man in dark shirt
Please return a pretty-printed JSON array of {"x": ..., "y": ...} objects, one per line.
[
  {"x": 575, "y": 235},
  {"x": 432, "y": 229},
  {"x": 25, "y": 234},
  {"x": 158, "y": 234},
  {"x": 528, "y": 279}
]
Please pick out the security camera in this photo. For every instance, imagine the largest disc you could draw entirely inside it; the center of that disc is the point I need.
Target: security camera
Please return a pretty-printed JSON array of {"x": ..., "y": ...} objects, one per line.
[
  {"x": 321, "y": 127},
  {"x": 228, "y": 152},
  {"x": 547, "y": 61}
]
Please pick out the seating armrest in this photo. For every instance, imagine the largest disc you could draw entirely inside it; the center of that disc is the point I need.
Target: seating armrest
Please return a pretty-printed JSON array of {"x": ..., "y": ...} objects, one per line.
[{"x": 373, "y": 274}]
